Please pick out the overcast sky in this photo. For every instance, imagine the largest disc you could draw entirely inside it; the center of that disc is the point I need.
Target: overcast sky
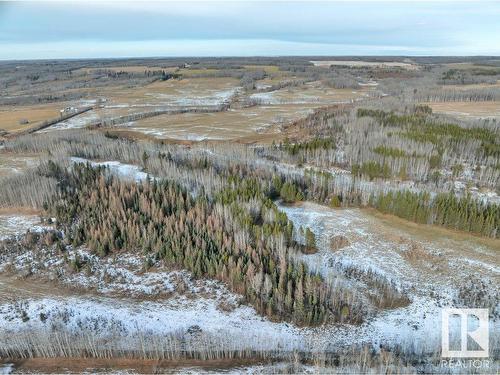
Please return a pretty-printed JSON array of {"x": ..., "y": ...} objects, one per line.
[{"x": 241, "y": 28}]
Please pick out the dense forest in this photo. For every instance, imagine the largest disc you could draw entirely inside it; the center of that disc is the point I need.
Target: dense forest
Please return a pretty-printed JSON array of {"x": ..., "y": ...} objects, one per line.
[
  {"x": 445, "y": 209},
  {"x": 239, "y": 237},
  {"x": 368, "y": 184}
]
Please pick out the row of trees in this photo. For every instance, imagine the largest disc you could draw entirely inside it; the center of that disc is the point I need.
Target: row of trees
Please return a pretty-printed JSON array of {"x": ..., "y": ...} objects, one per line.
[{"x": 445, "y": 209}]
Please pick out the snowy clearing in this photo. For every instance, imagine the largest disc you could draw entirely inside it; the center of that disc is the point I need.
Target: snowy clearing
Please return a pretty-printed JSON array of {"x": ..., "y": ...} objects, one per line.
[
  {"x": 75, "y": 122},
  {"x": 127, "y": 301},
  {"x": 433, "y": 278},
  {"x": 122, "y": 170},
  {"x": 12, "y": 225}
]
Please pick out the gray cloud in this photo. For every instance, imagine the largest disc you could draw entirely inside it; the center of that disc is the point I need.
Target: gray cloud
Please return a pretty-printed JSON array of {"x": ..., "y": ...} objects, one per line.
[{"x": 425, "y": 27}]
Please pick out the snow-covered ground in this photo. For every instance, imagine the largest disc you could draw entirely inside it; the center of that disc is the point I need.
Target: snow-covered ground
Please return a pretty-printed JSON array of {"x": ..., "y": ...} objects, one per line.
[
  {"x": 103, "y": 317},
  {"x": 6, "y": 368},
  {"x": 119, "y": 297},
  {"x": 179, "y": 134},
  {"x": 282, "y": 97},
  {"x": 482, "y": 195},
  {"x": 432, "y": 277},
  {"x": 76, "y": 122},
  {"x": 126, "y": 300},
  {"x": 368, "y": 83},
  {"x": 126, "y": 171},
  {"x": 14, "y": 224},
  {"x": 212, "y": 98},
  {"x": 14, "y": 164}
]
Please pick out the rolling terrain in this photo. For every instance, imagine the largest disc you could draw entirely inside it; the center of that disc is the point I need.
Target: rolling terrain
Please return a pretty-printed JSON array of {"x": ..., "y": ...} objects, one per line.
[{"x": 246, "y": 214}]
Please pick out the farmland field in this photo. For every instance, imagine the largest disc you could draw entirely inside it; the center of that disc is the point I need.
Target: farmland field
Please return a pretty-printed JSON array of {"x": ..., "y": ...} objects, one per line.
[
  {"x": 274, "y": 107},
  {"x": 468, "y": 109},
  {"x": 232, "y": 124},
  {"x": 12, "y": 117},
  {"x": 327, "y": 63},
  {"x": 185, "y": 92}
]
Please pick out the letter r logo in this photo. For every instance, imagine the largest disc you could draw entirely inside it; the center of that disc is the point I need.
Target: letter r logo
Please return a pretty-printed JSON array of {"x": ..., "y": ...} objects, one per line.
[{"x": 479, "y": 335}]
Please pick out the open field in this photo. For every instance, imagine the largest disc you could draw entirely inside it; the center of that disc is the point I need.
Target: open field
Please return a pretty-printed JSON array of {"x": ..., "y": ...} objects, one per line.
[
  {"x": 11, "y": 117},
  {"x": 185, "y": 92},
  {"x": 267, "y": 83},
  {"x": 232, "y": 124},
  {"x": 354, "y": 64},
  {"x": 468, "y": 109},
  {"x": 274, "y": 108},
  {"x": 415, "y": 258},
  {"x": 171, "y": 94},
  {"x": 16, "y": 163},
  {"x": 311, "y": 93}
]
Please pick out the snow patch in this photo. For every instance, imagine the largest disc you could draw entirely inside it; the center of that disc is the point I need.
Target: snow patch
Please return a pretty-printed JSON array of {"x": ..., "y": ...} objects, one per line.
[
  {"x": 6, "y": 368},
  {"x": 126, "y": 171},
  {"x": 431, "y": 284},
  {"x": 12, "y": 225}
]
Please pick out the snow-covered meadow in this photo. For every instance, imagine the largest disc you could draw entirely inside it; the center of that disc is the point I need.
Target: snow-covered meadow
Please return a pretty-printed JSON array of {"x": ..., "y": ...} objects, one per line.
[
  {"x": 17, "y": 224},
  {"x": 434, "y": 270},
  {"x": 119, "y": 297}
]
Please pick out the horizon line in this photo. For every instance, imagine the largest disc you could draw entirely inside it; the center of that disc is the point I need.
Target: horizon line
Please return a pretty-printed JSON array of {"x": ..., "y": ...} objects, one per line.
[{"x": 243, "y": 56}]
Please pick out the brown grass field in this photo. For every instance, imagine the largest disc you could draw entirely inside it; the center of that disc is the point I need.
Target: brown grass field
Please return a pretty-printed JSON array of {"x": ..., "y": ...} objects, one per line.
[
  {"x": 352, "y": 64},
  {"x": 232, "y": 124},
  {"x": 312, "y": 93},
  {"x": 430, "y": 233},
  {"x": 275, "y": 108},
  {"x": 467, "y": 109},
  {"x": 173, "y": 92},
  {"x": 10, "y": 116}
]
